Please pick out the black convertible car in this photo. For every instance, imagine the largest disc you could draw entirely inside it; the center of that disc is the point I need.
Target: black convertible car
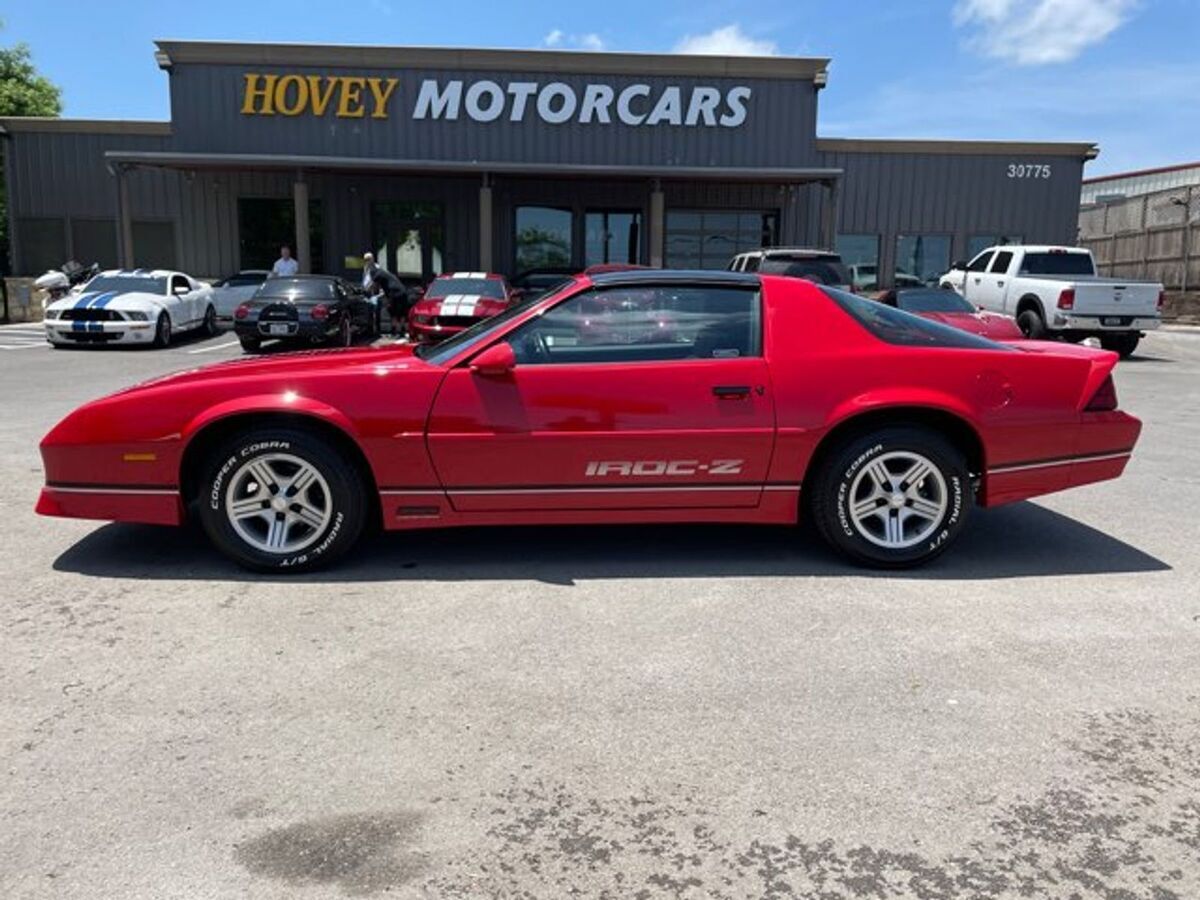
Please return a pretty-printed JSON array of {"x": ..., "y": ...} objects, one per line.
[{"x": 312, "y": 308}]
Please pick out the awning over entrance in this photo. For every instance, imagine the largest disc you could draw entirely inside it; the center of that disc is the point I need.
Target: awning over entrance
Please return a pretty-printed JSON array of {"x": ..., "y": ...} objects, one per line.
[{"x": 120, "y": 161}]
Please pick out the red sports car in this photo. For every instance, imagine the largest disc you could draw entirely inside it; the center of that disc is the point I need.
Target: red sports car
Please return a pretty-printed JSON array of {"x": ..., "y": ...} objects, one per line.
[
  {"x": 456, "y": 301},
  {"x": 773, "y": 398},
  {"x": 947, "y": 307}
]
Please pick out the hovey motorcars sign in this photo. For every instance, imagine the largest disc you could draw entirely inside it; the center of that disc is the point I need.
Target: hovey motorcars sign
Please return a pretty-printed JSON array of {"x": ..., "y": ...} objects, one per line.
[{"x": 484, "y": 100}]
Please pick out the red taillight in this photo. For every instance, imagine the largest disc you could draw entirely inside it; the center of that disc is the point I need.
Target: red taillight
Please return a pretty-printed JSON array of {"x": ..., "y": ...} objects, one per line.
[
  {"x": 1162, "y": 300},
  {"x": 1105, "y": 398},
  {"x": 1066, "y": 300},
  {"x": 320, "y": 312},
  {"x": 241, "y": 312}
]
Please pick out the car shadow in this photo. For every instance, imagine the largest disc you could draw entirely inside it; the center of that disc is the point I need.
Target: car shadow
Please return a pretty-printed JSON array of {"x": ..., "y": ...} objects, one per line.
[{"x": 1022, "y": 540}]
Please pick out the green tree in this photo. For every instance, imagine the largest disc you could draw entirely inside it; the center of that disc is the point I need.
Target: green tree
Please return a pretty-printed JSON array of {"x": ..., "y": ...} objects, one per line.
[{"x": 23, "y": 92}]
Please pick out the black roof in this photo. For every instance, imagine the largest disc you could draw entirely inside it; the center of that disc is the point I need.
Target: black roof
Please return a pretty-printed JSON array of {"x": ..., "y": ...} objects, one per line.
[{"x": 714, "y": 277}]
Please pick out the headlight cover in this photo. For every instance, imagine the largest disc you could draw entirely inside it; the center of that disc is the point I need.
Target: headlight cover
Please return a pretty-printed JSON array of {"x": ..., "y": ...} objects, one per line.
[{"x": 134, "y": 315}]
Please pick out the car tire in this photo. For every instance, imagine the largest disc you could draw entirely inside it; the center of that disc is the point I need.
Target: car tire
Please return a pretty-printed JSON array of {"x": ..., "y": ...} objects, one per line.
[
  {"x": 345, "y": 334},
  {"x": 281, "y": 531},
  {"x": 209, "y": 325},
  {"x": 162, "y": 331},
  {"x": 872, "y": 468},
  {"x": 1031, "y": 325},
  {"x": 249, "y": 344},
  {"x": 1124, "y": 344}
]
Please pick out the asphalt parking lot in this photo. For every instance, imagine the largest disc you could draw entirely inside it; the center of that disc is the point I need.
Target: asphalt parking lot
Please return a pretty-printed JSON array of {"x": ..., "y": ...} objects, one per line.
[{"x": 695, "y": 712}]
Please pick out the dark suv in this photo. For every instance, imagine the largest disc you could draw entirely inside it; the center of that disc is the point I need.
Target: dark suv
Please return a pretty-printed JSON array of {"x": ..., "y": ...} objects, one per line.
[
  {"x": 820, "y": 266},
  {"x": 312, "y": 308}
]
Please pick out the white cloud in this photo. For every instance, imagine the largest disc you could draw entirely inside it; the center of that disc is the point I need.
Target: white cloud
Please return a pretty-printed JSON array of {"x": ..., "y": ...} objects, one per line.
[
  {"x": 1036, "y": 32},
  {"x": 727, "y": 41},
  {"x": 559, "y": 39}
]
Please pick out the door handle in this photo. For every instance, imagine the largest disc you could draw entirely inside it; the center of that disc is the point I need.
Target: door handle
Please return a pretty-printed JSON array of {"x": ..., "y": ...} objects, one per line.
[
  {"x": 999, "y": 284},
  {"x": 731, "y": 391}
]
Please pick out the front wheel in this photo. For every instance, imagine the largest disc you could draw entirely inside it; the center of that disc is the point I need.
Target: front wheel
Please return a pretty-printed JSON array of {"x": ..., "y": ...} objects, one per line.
[
  {"x": 281, "y": 499},
  {"x": 209, "y": 326},
  {"x": 1123, "y": 344},
  {"x": 892, "y": 498},
  {"x": 162, "y": 330}
]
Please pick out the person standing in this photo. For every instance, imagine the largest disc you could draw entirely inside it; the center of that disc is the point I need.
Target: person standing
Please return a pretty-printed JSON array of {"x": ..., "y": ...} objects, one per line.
[
  {"x": 370, "y": 267},
  {"x": 286, "y": 265}
]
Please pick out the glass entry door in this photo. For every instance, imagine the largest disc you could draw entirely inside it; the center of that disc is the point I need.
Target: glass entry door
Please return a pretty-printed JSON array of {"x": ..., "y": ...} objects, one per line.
[{"x": 409, "y": 239}]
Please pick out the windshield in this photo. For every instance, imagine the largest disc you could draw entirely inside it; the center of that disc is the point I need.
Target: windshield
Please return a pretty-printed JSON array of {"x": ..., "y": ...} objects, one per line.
[
  {"x": 127, "y": 284},
  {"x": 1057, "y": 263},
  {"x": 439, "y": 353},
  {"x": 472, "y": 287},
  {"x": 822, "y": 270},
  {"x": 932, "y": 301}
]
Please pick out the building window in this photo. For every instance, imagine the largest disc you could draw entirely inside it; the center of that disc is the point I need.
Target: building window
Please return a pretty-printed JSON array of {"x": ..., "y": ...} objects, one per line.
[
  {"x": 543, "y": 237},
  {"x": 94, "y": 241},
  {"x": 860, "y": 253},
  {"x": 266, "y": 223},
  {"x": 709, "y": 239},
  {"x": 43, "y": 244},
  {"x": 978, "y": 242},
  {"x": 409, "y": 238},
  {"x": 921, "y": 259},
  {"x": 154, "y": 244},
  {"x": 612, "y": 236}
]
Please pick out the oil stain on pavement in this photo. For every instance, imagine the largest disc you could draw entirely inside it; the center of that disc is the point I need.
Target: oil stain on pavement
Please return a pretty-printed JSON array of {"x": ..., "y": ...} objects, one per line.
[{"x": 1127, "y": 827}]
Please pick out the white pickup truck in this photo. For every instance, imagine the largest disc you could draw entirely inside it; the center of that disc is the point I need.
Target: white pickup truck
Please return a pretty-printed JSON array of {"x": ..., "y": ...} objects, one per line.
[{"x": 1055, "y": 292}]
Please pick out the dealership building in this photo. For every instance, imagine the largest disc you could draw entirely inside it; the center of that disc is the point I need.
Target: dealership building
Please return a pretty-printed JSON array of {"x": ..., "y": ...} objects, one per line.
[{"x": 504, "y": 160}]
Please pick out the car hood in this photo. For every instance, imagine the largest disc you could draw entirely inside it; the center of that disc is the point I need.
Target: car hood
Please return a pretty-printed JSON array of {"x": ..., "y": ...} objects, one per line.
[
  {"x": 104, "y": 300},
  {"x": 981, "y": 323},
  {"x": 459, "y": 305}
]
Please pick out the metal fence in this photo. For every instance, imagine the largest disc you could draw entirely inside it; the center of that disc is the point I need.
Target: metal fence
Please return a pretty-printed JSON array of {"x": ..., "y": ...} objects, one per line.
[{"x": 1153, "y": 236}]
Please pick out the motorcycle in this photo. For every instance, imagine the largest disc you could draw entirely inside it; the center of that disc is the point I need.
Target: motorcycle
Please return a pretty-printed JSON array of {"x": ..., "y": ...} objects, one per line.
[{"x": 57, "y": 283}]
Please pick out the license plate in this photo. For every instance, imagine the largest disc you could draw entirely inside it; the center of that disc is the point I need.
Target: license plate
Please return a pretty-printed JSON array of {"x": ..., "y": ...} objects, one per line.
[
  {"x": 281, "y": 328},
  {"x": 1111, "y": 320}
]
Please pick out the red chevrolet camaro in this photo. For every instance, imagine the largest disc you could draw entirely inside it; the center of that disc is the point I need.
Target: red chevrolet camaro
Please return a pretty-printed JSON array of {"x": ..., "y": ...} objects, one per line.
[{"x": 767, "y": 399}]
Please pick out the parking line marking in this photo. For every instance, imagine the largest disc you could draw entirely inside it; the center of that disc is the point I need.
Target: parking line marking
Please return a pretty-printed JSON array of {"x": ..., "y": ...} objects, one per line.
[
  {"x": 217, "y": 347},
  {"x": 23, "y": 346}
]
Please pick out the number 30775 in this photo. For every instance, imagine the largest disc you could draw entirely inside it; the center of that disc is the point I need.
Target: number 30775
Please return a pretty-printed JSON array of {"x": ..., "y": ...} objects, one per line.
[{"x": 1028, "y": 170}]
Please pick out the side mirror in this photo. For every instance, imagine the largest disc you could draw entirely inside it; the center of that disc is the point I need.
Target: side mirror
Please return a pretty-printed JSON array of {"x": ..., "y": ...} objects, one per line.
[
  {"x": 959, "y": 264},
  {"x": 496, "y": 361},
  {"x": 180, "y": 289}
]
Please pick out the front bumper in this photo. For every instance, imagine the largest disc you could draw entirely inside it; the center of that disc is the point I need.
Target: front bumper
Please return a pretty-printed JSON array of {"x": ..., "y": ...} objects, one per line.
[
  {"x": 149, "y": 506},
  {"x": 1098, "y": 324},
  {"x": 65, "y": 331}
]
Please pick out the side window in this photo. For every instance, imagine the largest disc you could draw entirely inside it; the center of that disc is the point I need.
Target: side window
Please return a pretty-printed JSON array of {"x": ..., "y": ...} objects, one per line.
[
  {"x": 177, "y": 282},
  {"x": 1000, "y": 264},
  {"x": 736, "y": 264},
  {"x": 644, "y": 323},
  {"x": 980, "y": 263},
  {"x": 751, "y": 264}
]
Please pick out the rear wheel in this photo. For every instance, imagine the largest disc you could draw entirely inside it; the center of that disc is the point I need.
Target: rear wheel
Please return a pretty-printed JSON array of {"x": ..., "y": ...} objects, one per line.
[
  {"x": 249, "y": 343},
  {"x": 162, "y": 330},
  {"x": 1031, "y": 325},
  {"x": 345, "y": 335},
  {"x": 1123, "y": 344},
  {"x": 281, "y": 499},
  {"x": 892, "y": 498}
]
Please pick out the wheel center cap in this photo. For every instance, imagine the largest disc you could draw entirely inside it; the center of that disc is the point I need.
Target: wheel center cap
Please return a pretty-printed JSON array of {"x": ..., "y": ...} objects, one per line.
[
  {"x": 279, "y": 504},
  {"x": 896, "y": 500}
]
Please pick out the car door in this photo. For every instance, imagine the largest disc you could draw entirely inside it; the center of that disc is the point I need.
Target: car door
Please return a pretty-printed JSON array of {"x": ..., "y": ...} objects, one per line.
[
  {"x": 973, "y": 276},
  {"x": 630, "y": 398},
  {"x": 992, "y": 290},
  {"x": 181, "y": 300}
]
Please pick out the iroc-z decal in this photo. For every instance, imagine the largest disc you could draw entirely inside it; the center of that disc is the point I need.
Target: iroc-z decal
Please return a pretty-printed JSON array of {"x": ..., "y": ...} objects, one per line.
[{"x": 642, "y": 468}]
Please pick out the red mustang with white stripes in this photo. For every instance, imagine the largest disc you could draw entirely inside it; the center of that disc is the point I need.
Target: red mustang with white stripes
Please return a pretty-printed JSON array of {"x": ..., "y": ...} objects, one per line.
[
  {"x": 456, "y": 301},
  {"x": 766, "y": 400}
]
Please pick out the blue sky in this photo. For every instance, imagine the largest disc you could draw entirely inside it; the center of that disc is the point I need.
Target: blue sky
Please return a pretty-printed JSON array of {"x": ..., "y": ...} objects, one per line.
[{"x": 1123, "y": 73}]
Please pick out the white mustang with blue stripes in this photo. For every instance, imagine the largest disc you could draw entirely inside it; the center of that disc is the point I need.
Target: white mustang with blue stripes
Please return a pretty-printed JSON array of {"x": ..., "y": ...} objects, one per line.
[{"x": 131, "y": 306}]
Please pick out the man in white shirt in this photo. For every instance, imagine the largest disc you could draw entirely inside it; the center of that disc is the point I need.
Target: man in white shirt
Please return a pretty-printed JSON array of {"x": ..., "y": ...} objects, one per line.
[{"x": 285, "y": 265}]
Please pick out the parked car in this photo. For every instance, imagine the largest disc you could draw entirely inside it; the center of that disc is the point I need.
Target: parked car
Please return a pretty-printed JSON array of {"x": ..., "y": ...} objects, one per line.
[
  {"x": 131, "y": 307},
  {"x": 865, "y": 277},
  {"x": 817, "y": 266},
  {"x": 949, "y": 308},
  {"x": 231, "y": 292},
  {"x": 1055, "y": 292},
  {"x": 896, "y": 426},
  {"x": 311, "y": 308},
  {"x": 456, "y": 301},
  {"x": 533, "y": 283}
]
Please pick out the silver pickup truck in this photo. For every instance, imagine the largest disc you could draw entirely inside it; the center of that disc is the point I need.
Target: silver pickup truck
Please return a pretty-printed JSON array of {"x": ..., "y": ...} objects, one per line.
[{"x": 1055, "y": 292}]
